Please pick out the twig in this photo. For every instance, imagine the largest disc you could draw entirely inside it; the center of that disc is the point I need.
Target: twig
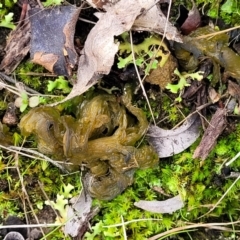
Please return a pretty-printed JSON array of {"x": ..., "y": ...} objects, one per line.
[
  {"x": 124, "y": 229},
  {"x": 38, "y": 156},
  {"x": 139, "y": 78},
  {"x": 11, "y": 80},
  {"x": 233, "y": 159},
  {"x": 42, "y": 156},
  {"x": 46, "y": 196},
  {"x": 87, "y": 21},
  {"x": 217, "y": 33},
  {"x": 206, "y": 225},
  {"x": 223, "y": 196},
  {"x": 25, "y": 191},
  {"x": 43, "y": 225}
]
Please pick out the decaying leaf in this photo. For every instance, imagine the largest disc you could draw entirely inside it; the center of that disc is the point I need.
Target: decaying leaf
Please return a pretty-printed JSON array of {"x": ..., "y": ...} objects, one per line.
[
  {"x": 209, "y": 139},
  {"x": 213, "y": 95},
  {"x": 170, "y": 142},
  {"x": 234, "y": 89},
  {"x": 152, "y": 19},
  {"x": 79, "y": 215},
  {"x": 168, "y": 206},
  {"x": 52, "y": 38},
  {"x": 192, "y": 22},
  {"x": 100, "y": 49}
]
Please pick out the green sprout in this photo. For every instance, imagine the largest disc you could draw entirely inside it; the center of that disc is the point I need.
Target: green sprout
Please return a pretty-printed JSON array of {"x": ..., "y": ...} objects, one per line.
[
  {"x": 183, "y": 82},
  {"x": 7, "y": 21},
  {"x": 23, "y": 101},
  {"x": 49, "y": 3},
  {"x": 61, "y": 202},
  {"x": 60, "y": 83},
  {"x": 149, "y": 54}
]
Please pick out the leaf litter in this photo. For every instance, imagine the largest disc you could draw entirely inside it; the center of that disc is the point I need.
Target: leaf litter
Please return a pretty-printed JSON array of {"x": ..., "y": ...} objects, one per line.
[{"x": 97, "y": 59}]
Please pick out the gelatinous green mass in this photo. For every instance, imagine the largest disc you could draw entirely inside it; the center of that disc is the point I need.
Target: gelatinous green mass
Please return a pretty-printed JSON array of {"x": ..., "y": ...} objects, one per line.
[{"x": 101, "y": 137}]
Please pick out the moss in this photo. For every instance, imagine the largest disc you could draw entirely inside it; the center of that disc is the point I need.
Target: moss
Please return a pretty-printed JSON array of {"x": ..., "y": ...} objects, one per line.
[
  {"x": 227, "y": 10},
  {"x": 24, "y": 72}
]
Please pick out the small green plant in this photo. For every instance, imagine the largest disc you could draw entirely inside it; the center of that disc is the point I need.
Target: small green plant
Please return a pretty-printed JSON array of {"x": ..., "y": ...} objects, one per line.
[
  {"x": 184, "y": 81},
  {"x": 49, "y": 3},
  {"x": 26, "y": 72},
  {"x": 24, "y": 101},
  {"x": 6, "y": 21},
  {"x": 61, "y": 202},
  {"x": 6, "y": 17},
  {"x": 60, "y": 83},
  {"x": 149, "y": 54},
  {"x": 228, "y": 10}
]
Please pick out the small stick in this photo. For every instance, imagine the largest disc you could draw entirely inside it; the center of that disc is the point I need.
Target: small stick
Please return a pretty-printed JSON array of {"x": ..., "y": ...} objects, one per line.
[{"x": 11, "y": 80}]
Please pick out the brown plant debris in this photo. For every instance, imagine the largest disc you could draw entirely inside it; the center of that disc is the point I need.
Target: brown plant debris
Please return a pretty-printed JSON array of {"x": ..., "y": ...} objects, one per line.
[
  {"x": 17, "y": 47},
  {"x": 209, "y": 139}
]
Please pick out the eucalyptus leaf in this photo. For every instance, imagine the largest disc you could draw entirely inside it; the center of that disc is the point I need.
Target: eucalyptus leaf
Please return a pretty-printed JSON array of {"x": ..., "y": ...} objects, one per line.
[
  {"x": 170, "y": 142},
  {"x": 168, "y": 206}
]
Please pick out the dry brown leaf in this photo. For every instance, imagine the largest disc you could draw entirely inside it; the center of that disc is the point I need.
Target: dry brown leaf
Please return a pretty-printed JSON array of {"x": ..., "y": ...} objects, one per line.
[
  {"x": 79, "y": 214},
  {"x": 234, "y": 89},
  {"x": 47, "y": 60},
  {"x": 150, "y": 18},
  {"x": 100, "y": 49},
  {"x": 192, "y": 22},
  {"x": 213, "y": 95}
]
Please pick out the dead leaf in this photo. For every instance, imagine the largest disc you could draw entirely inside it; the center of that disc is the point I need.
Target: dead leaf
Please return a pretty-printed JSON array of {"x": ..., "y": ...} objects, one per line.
[
  {"x": 100, "y": 49},
  {"x": 79, "y": 215},
  {"x": 213, "y": 95},
  {"x": 192, "y": 22},
  {"x": 153, "y": 20},
  {"x": 168, "y": 206},
  {"x": 52, "y": 38},
  {"x": 150, "y": 18},
  {"x": 209, "y": 139},
  {"x": 170, "y": 142},
  {"x": 234, "y": 89}
]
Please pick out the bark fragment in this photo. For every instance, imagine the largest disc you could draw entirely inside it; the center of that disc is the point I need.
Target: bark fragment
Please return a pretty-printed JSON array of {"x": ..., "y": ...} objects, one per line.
[{"x": 209, "y": 139}]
